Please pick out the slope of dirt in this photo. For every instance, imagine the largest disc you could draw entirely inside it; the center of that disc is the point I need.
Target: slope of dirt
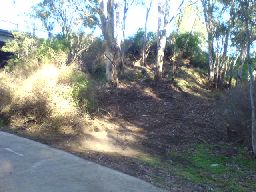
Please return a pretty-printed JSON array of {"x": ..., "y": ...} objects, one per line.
[{"x": 136, "y": 126}]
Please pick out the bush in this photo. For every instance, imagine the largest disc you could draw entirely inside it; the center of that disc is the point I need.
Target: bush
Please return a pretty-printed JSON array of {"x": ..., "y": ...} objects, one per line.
[
  {"x": 52, "y": 96},
  {"x": 189, "y": 45},
  {"x": 200, "y": 60},
  {"x": 54, "y": 50},
  {"x": 134, "y": 46},
  {"x": 30, "y": 52},
  {"x": 93, "y": 58},
  {"x": 22, "y": 45},
  {"x": 237, "y": 113}
]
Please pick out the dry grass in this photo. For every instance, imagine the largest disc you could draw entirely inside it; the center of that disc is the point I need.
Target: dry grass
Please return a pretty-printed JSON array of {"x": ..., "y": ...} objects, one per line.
[{"x": 44, "y": 99}]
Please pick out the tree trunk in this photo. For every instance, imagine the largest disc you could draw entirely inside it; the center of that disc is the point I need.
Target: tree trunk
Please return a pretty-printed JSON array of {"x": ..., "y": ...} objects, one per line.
[
  {"x": 160, "y": 55},
  {"x": 125, "y": 9},
  {"x": 111, "y": 67},
  {"x": 164, "y": 21},
  {"x": 224, "y": 61},
  {"x": 252, "y": 110},
  {"x": 161, "y": 39},
  {"x": 248, "y": 43},
  {"x": 111, "y": 44},
  {"x": 208, "y": 16},
  {"x": 145, "y": 35},
  {"x": 253, "y": 122}
]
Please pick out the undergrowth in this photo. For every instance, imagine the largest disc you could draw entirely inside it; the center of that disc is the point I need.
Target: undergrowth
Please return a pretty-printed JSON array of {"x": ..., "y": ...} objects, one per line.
[
  {"x": 39, "y": 92},
  {"x": 213, "y": 166},
  {"x": 209, "y": 166}
]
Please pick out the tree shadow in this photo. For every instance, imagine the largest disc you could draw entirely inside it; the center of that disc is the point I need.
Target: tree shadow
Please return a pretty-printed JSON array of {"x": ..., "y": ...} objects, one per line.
[{"x": 166, "y": 118}]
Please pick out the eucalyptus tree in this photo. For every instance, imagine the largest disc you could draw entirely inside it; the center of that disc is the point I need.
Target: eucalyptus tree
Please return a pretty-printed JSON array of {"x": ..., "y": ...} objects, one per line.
[
  {"x": 110, "y": 14},
  {"x": 164, "y": 20},
  {"x": 243, "y": 36},
  {"x": 221, "y": 38},
  {"x": 57, "y": 14},
  {"x": 125, "y": 6},
  {"x": 247, "y": 15},
  {"x": 208, "y": 9},
  {"x": 148, "y": 8},
  {"x": 219, "y": 31}
]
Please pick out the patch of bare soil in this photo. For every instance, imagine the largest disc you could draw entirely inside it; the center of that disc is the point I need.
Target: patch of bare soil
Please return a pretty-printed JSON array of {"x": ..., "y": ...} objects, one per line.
[
  {"x": 135, "y": 127},
  {"x": 155, "y": 119}
]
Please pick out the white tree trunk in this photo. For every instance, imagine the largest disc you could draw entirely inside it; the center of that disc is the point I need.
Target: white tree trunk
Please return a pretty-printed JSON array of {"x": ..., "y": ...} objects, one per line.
[
  {"x": 208, "y": 16},
  {"x": 253, "y": 123},
  {"x": 111, "y": 29},
  {"x": 164, "y": 21},
  {"x": 161, "y": 37},
  {"x": 145, "y": 35},
  {"x": 248, "y": 41}
]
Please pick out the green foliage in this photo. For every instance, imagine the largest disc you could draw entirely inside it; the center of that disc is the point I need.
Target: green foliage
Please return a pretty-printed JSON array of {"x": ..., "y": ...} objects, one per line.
[
  {"x": 190, "y": 45},
  {"x": 22, "y": 45},
  {"x": 28, "y": 49},
  {"x": 200, "y": 60},
  {"x": 82, "y": 90},
  {"x": 187, "y": 43},
  {"x": 134, "y": 45},
  {"x": 79, "y": 84},
  {"x": 48, "y": 48}
]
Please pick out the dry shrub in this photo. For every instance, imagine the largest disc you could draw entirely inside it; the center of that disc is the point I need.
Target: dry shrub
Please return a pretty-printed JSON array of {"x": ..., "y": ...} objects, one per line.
[
  {"x": 45, "y": 98},
  {"x": 238, "y": 114},
  {"x": 5, "y": 97}
]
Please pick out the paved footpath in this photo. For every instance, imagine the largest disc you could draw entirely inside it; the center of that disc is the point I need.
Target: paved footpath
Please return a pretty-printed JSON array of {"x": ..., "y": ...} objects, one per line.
[{"x": 28, "y": 166}]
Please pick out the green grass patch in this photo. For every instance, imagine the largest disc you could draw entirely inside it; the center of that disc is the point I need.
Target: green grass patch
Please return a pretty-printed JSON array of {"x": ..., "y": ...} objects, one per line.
[
  {"x": 151, "y": 161},
  {"x": 227, "y": 173}
]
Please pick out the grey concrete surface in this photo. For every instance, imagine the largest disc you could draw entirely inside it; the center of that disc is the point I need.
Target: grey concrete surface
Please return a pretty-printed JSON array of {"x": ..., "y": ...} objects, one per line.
[{"x": 28, "y": 166}]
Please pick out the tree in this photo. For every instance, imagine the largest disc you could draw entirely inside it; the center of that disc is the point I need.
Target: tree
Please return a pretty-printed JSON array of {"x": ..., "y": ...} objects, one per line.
[
  {"x": 243, "y": 37},
  {"x": 125, "y": 5},
  {"x": 208, "y": 7},
  {"x": 110, "y": 26},
  {"x": 164, "y": 20},
  {"x": 44, "y": 14},
  {"x": 145, "y": 32},
  {"x": 57, "y": 13},
  {"x": 248, "y": 8}
]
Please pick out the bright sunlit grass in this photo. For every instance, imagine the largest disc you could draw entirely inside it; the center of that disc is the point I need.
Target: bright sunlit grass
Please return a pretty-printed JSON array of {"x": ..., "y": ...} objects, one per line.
[{"x": 46, "y": 95}]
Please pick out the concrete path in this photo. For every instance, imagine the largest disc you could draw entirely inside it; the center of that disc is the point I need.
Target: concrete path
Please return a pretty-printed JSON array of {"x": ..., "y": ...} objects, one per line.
[{"x": 28, "y": 166}]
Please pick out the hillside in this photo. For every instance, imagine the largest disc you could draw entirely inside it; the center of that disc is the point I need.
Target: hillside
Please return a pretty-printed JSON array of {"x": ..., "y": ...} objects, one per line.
[{"x": 168, "y": 133}]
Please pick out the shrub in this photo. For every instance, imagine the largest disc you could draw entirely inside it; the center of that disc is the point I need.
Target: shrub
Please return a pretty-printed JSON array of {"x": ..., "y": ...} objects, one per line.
[
  {"x": 54, "y": 50},
  {"x": 30, "y": 52},
  {"x": 92, "y": 59},
  {"x": 22, "y": 45},
  {"x": 189, "y": 45},
  {"x": 134, "y": 46},
  {"x": 46, "y": 96},
  {"x": 200, "y": 60},
  {"x": 237, "y": 113}
]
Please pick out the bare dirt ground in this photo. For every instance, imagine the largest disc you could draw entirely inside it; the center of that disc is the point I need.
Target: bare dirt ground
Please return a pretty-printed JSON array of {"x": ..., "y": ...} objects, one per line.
[{"x": 136, "y": 126}]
